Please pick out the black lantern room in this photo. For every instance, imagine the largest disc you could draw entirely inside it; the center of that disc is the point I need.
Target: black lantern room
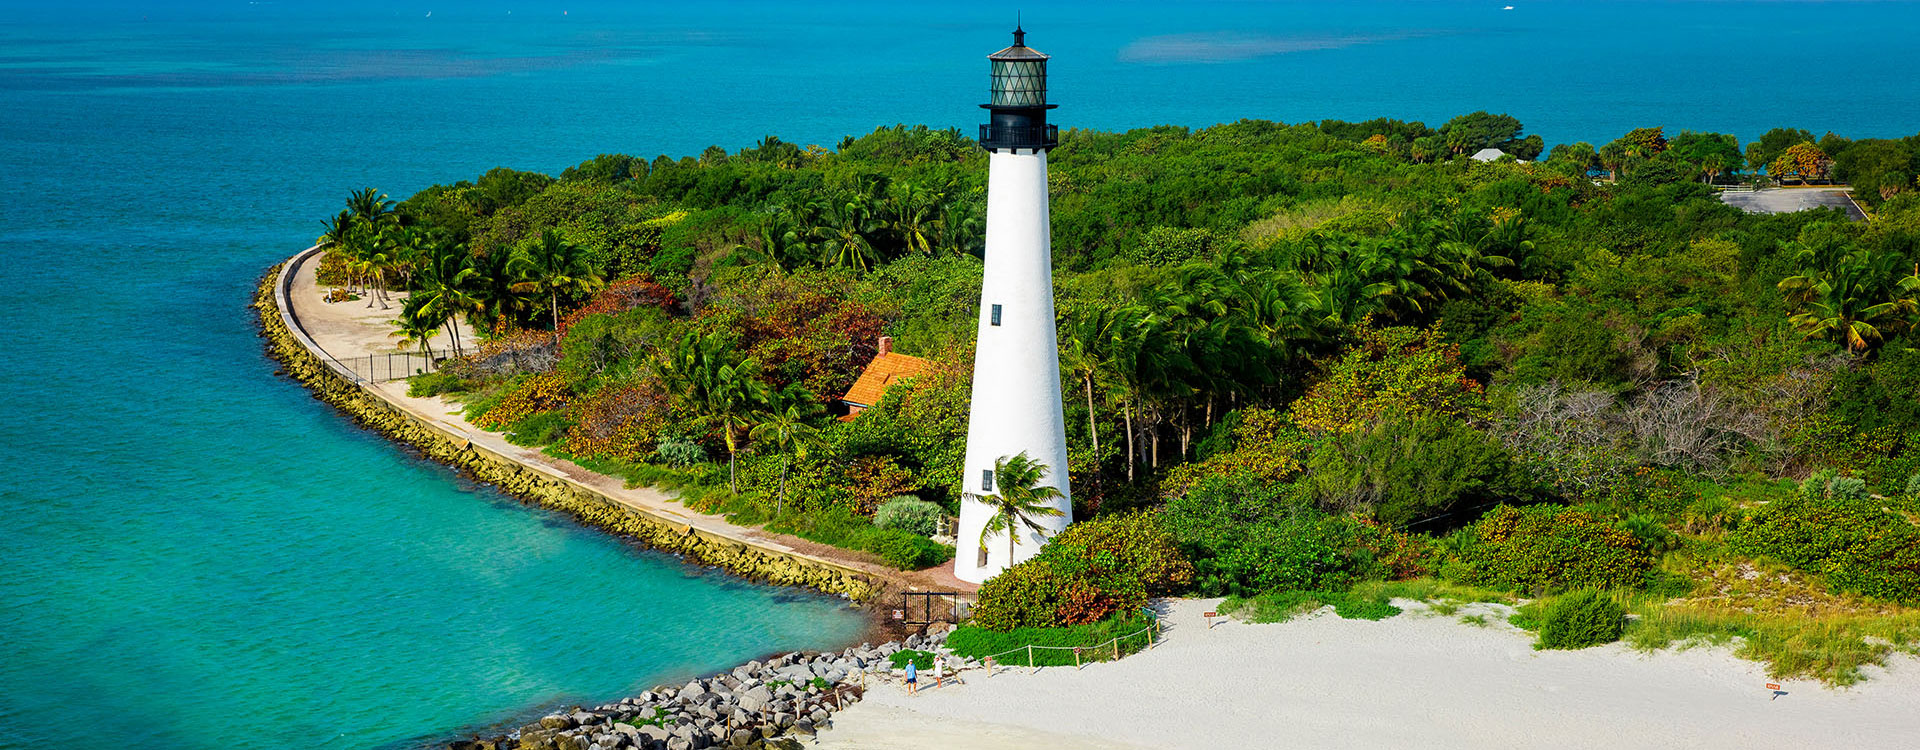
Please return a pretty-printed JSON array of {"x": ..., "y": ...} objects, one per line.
[{"x": 1018, "y": 100}]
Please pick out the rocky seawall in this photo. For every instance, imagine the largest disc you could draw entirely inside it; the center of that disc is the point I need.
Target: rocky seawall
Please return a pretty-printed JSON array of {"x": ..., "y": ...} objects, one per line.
[
  {"x": 771, "y": 704},
  {"x": 583, "y": 504}
]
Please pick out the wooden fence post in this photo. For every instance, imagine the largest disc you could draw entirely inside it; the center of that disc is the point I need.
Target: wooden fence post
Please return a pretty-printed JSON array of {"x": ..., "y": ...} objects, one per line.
[{"x": 1030, "y": 664}]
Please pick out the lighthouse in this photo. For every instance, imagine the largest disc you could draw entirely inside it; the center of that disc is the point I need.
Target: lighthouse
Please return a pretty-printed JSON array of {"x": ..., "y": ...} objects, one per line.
[{"x": 1016, "y": 371}]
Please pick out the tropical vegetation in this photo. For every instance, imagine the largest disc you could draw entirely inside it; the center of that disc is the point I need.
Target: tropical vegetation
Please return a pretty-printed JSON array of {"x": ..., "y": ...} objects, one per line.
[{"x": 1300, "y": 360}]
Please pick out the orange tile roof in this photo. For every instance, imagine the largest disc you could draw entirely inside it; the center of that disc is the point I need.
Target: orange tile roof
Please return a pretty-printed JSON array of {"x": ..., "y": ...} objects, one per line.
[{"x": 882, "y": 373}]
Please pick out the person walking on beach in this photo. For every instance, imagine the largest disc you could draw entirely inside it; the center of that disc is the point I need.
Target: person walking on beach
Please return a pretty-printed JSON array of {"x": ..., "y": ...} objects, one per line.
[
  {"x": 939, "y": 672},
  {"x": 912, "y": 679}
]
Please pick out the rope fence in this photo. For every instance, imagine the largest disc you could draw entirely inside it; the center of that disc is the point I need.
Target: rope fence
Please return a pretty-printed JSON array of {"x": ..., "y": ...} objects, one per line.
[{"x": 1112, "y": 649}]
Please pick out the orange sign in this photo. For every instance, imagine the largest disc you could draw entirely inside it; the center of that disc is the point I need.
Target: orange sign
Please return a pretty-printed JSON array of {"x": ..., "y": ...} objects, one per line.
[
  {"x": 1773, "y": 686},
  {"x": 1213, "y": 614}
]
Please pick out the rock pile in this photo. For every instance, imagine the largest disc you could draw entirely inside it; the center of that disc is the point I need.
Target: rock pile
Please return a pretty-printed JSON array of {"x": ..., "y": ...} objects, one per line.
[{"x": 757, "y": 705}]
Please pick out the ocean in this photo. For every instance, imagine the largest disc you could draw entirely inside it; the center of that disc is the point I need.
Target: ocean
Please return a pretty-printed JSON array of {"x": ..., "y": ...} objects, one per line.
[{"x": 199, "y": 555}]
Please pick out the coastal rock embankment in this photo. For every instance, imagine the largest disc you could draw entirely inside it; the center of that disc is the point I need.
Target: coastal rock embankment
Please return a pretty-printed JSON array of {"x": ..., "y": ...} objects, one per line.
[
  {"x": 583, "y": 504},
  {"x": 756, "y": 705}
]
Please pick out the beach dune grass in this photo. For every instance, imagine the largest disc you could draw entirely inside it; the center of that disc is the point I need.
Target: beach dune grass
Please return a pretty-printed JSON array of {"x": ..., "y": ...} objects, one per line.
[
  {"x": 1281, "y": 606},
  {"x": 1833, "y": 648}
]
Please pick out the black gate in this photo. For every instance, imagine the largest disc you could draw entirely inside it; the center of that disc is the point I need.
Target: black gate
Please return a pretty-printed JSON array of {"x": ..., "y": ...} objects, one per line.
[{"x": 917, "y": 607}]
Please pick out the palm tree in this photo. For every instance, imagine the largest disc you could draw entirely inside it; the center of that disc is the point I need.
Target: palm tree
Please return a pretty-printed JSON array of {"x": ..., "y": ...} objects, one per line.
[
  {"x": 495, "y": 286},
  {"x": 553, "y": 265},
  {"x": 1020, "y": 499},
  {"x": 369, "y": 207},
  {"x": 441, "y": 285},
  {"x": 845, "y": 236},
  {"x": 716, "y": 387},
  {"x": 416, "y": 325},
  {"x": 1086, "y": 350},
  {"x": 917, "y": 217},
  {"x": 788, "y": 426},
  {"x": 1855, "y": 301}
]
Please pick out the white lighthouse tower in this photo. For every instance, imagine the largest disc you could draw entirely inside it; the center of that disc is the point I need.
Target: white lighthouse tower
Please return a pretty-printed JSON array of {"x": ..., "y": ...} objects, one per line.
[{"x": 1016, "y": 371}]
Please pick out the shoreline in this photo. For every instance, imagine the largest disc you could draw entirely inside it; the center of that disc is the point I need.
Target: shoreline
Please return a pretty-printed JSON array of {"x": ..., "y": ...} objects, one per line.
[{"x": 294, "y": 349}]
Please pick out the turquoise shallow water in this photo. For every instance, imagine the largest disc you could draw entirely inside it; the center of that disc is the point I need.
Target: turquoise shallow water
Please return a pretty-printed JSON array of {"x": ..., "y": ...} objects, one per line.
[{"x": 198, "y": 555}]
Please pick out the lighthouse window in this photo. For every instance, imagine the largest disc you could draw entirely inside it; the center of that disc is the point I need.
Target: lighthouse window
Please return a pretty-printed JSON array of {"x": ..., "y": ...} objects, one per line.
[
  {"x": 996, "y": 315},
  {"x": 986, "y": 480},
  {"x": 982, "y": 557}
]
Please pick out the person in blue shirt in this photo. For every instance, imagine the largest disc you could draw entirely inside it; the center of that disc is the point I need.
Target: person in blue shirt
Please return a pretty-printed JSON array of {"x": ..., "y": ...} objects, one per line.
[{"x": 912, "y": 679}]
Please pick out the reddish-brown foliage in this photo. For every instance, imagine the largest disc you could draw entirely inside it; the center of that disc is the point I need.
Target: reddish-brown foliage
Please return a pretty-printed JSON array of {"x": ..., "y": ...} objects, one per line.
[
  {"x": 626, "y": 294},
  {"x": 621, "y": 421}
]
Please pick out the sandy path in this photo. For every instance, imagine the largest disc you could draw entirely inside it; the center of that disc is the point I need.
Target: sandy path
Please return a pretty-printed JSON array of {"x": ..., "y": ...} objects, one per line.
[{"x": 1415, "y": 681}]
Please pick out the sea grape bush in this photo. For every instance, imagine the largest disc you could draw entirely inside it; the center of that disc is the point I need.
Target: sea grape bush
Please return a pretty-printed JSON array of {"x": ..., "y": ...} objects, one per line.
[
  {"x": 1856, "y": 543},
  {"x": 535, "y": 393},
  {"x": 1542, "y": 549},
  {"x": 1094, "y": 569}
]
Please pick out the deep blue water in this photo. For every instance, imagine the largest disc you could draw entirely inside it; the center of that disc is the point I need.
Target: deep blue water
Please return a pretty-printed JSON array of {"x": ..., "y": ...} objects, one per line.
[{"x": 196, "y": 554}]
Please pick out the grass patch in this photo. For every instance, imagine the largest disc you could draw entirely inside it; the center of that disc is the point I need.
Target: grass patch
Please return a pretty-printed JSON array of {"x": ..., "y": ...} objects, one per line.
[
  {"x": 1431, "y": 590},
  {"x": 435, "y": 384},
  {"x": 922, "y": 660},
  {"x": 1095, "y": 640},
  {"x": 1832, "y": 648},
  {"x": 1478, "y": 621},
  {"x": 1281, "y": 606}
]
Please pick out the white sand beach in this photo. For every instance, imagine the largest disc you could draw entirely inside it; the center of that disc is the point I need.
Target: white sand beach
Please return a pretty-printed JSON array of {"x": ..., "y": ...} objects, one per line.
[{"x": 1419, "y": 680}]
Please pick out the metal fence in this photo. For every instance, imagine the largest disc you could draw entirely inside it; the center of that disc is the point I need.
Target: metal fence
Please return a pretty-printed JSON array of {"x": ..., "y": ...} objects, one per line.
[{"x": 380, "y": 368}]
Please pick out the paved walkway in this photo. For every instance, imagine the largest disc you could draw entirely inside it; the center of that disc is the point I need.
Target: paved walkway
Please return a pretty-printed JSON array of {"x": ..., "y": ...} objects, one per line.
[{"x": 352, "y": 329}]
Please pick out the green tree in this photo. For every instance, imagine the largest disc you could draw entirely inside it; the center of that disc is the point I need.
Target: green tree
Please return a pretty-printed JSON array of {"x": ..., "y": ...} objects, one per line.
[
  {"x": 1774, "y": 142},
  {"x": 550, "y": 266},
  {"x": 788, "y": 425},
  {"x": 715, "y": 386},
  {"x": 1019, "y": 498},
  {"x": 1579, "y": 156},
  {"x": 1710, "y": 154},
  {"x": 1471, "y": 132}
]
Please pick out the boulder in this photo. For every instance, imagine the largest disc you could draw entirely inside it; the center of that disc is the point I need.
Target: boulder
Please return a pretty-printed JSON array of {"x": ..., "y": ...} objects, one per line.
[
  {"x": 819, "y": 716},
  {"x": 693, "y": 690},
  {"x": 556, "y": 721},
  {"x": 741, "y": 737},
  {"x": 756, "y": 699}
]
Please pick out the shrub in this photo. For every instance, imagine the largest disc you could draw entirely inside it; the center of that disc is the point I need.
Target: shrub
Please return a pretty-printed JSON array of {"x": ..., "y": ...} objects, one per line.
[
  {"x": 535, "y": 393},
  {"x": 1092, "y": 570},
  {"x": 1246, "y": 536},
  {"x": 434, "y": 384},
  {"x": 1826, "y": 484},
  {"x": 1653, "y": 535},
  {"x": 1543, "y": 549},
  {"x": 1581, "y": 619},
  {"x": 1859, "y": 546},
  {"x": 1710, "y": 514},
  {"x": 903, "y": 549},
  {"x": 677, "y": 451},
  {"x": 1409, "y": 370},
  {"x": 909, "y": 513},
  {"x": 619, "y": 421},
  {"x": 1404, "y": 470},
  {"x": 543, "y": 428}
]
